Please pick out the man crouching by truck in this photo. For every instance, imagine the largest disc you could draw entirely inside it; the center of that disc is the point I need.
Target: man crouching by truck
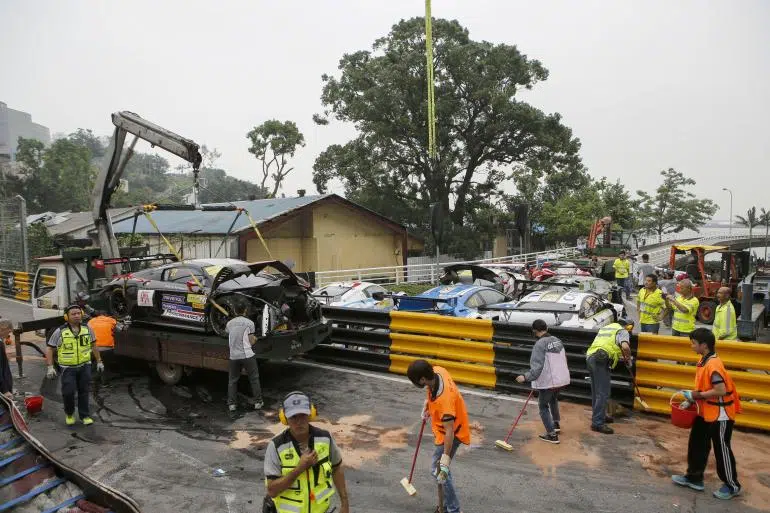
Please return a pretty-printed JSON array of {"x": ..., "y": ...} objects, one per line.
[{"x": 75, "y": 344}]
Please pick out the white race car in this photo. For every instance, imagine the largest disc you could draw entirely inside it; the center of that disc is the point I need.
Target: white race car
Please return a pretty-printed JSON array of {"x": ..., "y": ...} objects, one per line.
[{"x": 352, "y": 294}]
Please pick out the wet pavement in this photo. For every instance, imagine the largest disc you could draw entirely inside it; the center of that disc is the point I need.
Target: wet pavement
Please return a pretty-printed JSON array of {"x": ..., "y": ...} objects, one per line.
[{"x": 162, "y": 445}]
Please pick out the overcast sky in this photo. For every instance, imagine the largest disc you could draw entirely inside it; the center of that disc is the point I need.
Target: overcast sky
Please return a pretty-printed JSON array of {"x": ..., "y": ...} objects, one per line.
[{"x": 645, "y": 85}]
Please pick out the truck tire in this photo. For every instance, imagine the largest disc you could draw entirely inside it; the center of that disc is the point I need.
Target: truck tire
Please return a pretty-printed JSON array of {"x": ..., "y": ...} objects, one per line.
[{"x": 169, "y": 373}]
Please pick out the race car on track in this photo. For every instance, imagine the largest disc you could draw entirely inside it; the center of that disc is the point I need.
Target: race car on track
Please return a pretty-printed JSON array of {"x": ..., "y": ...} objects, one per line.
[
  {"x": 457, "y": 300},
  {"x": 352, "y": 294},
  {"x": 502, "y": 277},
  {"x": 202, "y": 295}
]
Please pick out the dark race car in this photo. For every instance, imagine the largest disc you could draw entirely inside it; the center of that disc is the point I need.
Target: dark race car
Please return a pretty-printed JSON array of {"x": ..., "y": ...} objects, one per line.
[{"x": 202, "y": 295}]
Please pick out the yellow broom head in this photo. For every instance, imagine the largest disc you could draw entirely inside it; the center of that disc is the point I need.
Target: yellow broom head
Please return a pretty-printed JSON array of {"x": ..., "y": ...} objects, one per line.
[
  {"x": 409, "y": 487},
  {"x": 504, "y": 445}
]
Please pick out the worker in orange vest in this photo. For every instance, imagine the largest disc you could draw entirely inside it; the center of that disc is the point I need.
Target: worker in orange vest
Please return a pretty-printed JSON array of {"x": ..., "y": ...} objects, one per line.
[
  {"x": 103, "y": 327},
  {"x": 718, "y": 403}
]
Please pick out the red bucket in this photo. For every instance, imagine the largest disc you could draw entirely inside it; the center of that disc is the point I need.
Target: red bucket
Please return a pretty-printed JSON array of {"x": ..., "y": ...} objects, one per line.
[
  {"x": 683, "y": 418},
  {"x": 34, "y": 404}
]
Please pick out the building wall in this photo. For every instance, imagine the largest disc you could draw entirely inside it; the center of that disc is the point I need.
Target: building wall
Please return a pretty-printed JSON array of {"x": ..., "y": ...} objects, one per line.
[
  {"x": 15, "y": 124},
  {"x": 327, "y": 237}
]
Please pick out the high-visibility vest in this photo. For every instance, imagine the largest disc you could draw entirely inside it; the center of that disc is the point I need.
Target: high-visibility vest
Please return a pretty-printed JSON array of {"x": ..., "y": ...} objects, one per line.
[
  {"x": 622, "y": 268},
  {"x": 74, "y": 349},
  {"x": 650, "y": 304},
  {"x": 452, "y": 400},
  {"x": 725, "y": 327},
  {"x": 103, "y": 327},
  {"x": 685, "y": 322},
  {"x": 605, "y": 340},
  {"x": 314, "y": 488},
  {"x": 709, "y": 408}
]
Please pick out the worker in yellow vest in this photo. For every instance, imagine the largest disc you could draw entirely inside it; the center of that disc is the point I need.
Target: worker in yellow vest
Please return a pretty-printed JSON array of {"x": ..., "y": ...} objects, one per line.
[
  {"x": 303, "y": 465},
  {"x": 612, "y": 343},
  {"x": 649, "y": 304},
  {"x": 622, "y": 267},
  {"x": 718, "y": 403},
  {"x": 725, "y": 327},
  {"x": 75, "y": 343},
  {"x": 685, "y": 307}
]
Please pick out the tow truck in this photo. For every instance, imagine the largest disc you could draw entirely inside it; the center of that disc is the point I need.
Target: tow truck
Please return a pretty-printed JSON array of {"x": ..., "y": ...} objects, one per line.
[{"x": 63, "y": 279}]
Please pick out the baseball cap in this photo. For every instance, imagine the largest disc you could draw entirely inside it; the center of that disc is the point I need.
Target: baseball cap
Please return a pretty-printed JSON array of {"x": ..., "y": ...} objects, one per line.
[{"x": 296, "y": 403}]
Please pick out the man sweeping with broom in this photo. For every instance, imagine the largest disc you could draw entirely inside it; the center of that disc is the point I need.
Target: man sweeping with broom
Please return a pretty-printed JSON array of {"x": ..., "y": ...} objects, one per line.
[
  {"x": 449, "y": 421},
  {"x": 548, "y": 372}
]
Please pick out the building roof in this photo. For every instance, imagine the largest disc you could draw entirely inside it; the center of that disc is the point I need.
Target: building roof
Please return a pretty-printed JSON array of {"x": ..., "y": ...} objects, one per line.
[
  {"x": 63, "y": 223},
  {"x": 217, "y": 223}
]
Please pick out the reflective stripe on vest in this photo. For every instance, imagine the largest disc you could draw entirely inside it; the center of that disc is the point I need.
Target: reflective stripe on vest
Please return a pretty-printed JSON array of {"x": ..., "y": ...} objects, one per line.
[
  {"x": 709, "y": 408},
  {"x": 605, "y": 340},
  {"x": 648, "y": 313},
  {"x": 74, "y": 349},
  {"x": 685, "y": 322},
  {"x": 313, "y": 489},
  {"x": 725, "y": 327}
]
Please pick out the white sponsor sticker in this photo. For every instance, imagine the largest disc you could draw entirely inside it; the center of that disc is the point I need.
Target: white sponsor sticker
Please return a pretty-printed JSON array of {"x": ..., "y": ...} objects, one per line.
[{"x": 144, "y": 297}]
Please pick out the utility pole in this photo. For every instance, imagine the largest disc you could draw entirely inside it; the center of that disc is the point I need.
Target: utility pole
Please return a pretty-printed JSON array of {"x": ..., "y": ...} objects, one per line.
[
  {"x": 730, "y": 226},
  {"x": 23, "y": 226}
]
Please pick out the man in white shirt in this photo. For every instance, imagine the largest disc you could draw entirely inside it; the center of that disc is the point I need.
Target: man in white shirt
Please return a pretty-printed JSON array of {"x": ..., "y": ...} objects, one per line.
[{"x": 241, "y": 336}]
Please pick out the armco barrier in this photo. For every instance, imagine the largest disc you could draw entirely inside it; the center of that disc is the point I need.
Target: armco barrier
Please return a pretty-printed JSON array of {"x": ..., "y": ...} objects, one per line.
[
  {"x": 476, "y": 352},
  {"x": 16, "y": 285},
  {"x": 667, "y": 364}
]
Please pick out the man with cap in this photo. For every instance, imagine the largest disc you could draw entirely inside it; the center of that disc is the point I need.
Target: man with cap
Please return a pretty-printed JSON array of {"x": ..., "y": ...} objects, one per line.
[
  {"x": 612, "y": 343},
  {"x": 303, "y": 465},
  {"x": 74, "y": 344}
]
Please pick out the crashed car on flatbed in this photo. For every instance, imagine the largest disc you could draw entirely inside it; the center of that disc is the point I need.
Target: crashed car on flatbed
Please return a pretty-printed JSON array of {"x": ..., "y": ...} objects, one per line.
[{"x": 203, "y": 295}]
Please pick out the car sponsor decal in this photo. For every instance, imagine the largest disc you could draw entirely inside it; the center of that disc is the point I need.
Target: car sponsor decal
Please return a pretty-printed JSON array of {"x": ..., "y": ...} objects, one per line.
[
  {"x": 198, "y": 301},
  {"x": 183, "y": 312},
  {"x": 144, "y": 297},
  {"x": 174, "y": 298}
]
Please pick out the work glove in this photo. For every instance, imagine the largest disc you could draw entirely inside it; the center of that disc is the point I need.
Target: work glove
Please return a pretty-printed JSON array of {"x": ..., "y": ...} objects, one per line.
[
  {"x": 687, "y": 395},
  {"x": 51, "y": 374},
  {"x": 443, "y": 467},
  {"x": 99, "y": 367}
]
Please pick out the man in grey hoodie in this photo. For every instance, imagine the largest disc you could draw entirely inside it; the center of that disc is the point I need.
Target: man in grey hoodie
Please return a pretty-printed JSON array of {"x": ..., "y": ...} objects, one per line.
[{"x": 548, "y": 373}]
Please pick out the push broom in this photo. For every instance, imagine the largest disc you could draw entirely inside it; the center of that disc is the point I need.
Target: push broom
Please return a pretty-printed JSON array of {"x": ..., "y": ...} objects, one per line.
[
  {"x": 636, "y": 388},
  {"x": 503, "y": 444},
  {"x": 407, "y": 482}
]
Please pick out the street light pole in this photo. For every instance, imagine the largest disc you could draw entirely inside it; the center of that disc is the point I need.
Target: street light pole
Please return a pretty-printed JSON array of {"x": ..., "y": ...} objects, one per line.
[{"x": 730, "y": 226}]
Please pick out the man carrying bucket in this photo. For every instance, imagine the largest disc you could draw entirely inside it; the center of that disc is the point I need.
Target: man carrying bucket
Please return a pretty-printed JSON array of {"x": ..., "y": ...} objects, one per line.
[{"x": 718, "y": 402}]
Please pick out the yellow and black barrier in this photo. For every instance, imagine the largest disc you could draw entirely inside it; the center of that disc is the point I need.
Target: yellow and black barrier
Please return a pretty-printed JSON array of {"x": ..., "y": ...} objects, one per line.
[
  {"x": 475, "y": 351},
  {"x": 667, "y": 364},
  {"x": 16, "y": 285}
]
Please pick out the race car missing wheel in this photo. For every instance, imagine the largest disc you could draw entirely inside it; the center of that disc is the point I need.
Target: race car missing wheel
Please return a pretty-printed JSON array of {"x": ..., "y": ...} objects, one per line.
[{"x": 202, "y": 295}]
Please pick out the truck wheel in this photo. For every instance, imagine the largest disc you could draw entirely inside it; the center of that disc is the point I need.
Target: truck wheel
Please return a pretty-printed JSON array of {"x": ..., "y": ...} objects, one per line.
[
  {"x": 169, "y": 373},
  {"x": 706, "y": 312}
]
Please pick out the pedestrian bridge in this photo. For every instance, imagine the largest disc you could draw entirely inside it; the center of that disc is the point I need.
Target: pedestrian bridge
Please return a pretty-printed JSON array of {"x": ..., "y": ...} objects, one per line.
[{"x": 738, "y": 239}]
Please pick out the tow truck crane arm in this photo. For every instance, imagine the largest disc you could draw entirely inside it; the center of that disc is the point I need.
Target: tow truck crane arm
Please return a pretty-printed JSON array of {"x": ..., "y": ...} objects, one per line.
[{"x": 109, "y": 178}]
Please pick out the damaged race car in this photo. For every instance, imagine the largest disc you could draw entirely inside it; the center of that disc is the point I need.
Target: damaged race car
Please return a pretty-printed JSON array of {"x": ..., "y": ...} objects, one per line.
[{"x": 203, "y": 295}]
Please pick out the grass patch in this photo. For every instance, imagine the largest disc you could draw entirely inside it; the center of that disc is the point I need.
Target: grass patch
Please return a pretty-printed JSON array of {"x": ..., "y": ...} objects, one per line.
[{"x": 412, "y": 289}]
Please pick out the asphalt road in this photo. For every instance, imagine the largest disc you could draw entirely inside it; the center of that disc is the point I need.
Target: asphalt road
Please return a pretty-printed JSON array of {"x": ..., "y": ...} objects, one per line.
[{"x": 162, "y": 445}]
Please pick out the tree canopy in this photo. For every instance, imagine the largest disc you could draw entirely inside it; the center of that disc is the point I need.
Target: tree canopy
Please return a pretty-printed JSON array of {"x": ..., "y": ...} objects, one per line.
[
  {"x": 273, "y": 143},
  {"x": 486, "y": 134}
]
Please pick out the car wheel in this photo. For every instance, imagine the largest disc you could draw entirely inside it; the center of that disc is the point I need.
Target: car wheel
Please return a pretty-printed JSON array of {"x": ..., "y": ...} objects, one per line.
[
  {"x": 118, "y": 304},
  {"x": 169, "y": 373},
  {"x": 707, "y": 312}
]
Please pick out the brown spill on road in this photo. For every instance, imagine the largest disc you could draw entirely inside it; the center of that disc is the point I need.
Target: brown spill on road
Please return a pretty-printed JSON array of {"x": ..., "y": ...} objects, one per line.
[{"x": 358, "y": 439}]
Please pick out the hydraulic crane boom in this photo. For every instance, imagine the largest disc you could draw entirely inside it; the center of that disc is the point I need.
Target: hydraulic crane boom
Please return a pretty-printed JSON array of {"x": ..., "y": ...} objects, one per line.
[{"x": 109, "y": 178}]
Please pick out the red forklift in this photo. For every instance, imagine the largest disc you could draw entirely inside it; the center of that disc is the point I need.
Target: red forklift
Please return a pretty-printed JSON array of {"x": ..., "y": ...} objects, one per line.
[{"x": 734, "y": 267}]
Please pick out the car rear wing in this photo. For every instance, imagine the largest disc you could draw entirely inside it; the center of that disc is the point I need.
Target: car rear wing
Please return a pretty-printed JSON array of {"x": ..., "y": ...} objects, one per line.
[
  {"x": 511, "y": 307},
  {"x": 430, "y": 302},
  {"x": 99, "y": 263}
]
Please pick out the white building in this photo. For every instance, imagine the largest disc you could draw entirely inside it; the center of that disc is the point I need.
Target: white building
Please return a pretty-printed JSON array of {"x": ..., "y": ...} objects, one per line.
[{"x": 15, "y": 124}]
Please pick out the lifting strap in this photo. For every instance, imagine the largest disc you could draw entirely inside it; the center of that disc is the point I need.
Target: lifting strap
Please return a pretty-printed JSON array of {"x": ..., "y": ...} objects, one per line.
[
  {"x": 432, "y": 151},
  {"x": 256, "y": 230}
]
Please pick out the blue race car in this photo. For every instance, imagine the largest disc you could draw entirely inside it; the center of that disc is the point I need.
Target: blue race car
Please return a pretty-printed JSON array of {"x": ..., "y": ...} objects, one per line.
[{"x": 456, "y": 300}]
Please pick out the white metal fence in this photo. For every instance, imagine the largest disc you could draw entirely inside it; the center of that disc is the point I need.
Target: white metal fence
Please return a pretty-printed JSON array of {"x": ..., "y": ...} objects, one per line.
[{"x": 427, "y": 273}]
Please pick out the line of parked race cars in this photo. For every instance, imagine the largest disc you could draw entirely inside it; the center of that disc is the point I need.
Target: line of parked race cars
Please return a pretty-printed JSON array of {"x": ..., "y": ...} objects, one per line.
[{"x": 560, "y": 292}]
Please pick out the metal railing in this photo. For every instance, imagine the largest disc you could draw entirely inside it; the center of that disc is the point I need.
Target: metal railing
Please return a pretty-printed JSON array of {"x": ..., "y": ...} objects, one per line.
[
  {"x": 427, "y": 273},
  {"x": 660, "y": 256}
]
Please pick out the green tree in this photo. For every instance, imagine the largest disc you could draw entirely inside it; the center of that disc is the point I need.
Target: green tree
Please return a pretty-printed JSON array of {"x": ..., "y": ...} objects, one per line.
[
  {"x": 618, "y": 204},
  {"x": 40, "y": 243},
  {"x": 751, "y": 221},
  {"x": 273, "y": 143},
  {"x": 85, "y": 137},
  {"x": 674, "y": 208},
  {"x": 56, "y": 179},
  {"x": 221, "y": 188},
  {"x": 572, "y": 215},
  {"x": 485, "y": 134}
]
